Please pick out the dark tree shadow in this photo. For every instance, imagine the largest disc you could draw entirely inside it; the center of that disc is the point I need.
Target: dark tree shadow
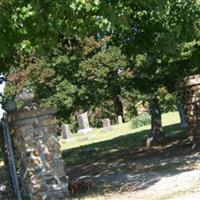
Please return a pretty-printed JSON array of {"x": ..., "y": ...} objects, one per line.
[{"x": 124, "y": 162}]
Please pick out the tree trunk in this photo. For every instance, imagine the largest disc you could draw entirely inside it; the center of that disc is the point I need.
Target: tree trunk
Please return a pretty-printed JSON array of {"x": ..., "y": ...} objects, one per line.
[
  {"x": 183, "y": 123},
  {"x": 115, "y": 93},
  {"x": 157, "y": 133},
  {"x": 118, "y": 107}
]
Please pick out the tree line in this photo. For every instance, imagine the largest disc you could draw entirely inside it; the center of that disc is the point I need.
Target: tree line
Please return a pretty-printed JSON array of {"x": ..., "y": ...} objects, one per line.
[{"x": 103, "y": 56}]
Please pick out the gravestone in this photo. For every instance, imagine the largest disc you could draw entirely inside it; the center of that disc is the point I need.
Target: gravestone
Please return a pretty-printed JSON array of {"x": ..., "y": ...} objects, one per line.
[
  {"x": 65, "y": 131},
  {"x": 83, "y": 123},
  {"x": 120, "y": 121},
  {"x": 106, "y": 123}
]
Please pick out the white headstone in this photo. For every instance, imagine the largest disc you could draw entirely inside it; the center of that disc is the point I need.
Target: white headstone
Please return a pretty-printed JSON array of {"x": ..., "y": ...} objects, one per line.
[
  {"x": 83, "y": 123},
  {"x": 65, "y": 131},
  {"x": 120, "y": 121},
  {"x": 106, "y": 123}
]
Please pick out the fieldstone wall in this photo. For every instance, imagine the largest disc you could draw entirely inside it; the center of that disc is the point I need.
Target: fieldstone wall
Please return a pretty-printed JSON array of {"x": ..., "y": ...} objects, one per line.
[
  {"x": 191, "y": 98},
  {"x": 38, "y": 154}
]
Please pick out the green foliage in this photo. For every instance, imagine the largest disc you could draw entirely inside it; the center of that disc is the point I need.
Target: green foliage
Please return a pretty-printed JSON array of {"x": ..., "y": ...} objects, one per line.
[
  {"x": 64, "y": 94},
  {"x": 28, "y": 26},
  {"x": 167, "y": 101},
  {"x": 103, "y": 75},
  {"x": 161, "y": 39},
  {"x": 95, "y": 55},
  {"x": 131, "y": 97},
  {"x": 141, "y": 120},
  {"x": 64, "y": 97}
]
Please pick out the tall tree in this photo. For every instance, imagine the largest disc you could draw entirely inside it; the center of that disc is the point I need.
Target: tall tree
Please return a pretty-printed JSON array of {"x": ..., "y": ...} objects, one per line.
[
  {"x": 28, "y": 26},
  {"x": 104, "y": 75},
  {"x": 161, "y": 38}
]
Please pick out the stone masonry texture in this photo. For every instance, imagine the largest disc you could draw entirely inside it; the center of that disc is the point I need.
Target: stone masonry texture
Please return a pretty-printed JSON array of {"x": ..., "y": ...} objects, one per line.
[
  {"x": 38, "y": 155},
  {"x": 190, "y": 88}
]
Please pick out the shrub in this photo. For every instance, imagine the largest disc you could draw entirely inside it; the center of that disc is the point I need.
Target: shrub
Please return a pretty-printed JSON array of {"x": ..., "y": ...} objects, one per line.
[{"x": 141, "y": 120}]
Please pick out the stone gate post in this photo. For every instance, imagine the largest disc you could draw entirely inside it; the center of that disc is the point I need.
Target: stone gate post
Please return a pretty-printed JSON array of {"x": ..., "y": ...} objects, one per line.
[
  {"x": 190, "y": 89},
  {"x": 38, "y": 155}
]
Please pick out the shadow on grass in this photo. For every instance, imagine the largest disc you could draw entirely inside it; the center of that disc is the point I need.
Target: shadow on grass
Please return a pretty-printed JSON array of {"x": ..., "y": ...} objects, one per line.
[
  {"x": 117, "y": 146},
  {"x": 115, "y": 163}
]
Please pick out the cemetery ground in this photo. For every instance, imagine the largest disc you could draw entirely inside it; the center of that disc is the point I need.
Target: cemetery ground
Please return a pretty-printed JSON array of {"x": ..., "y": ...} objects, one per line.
[{"x": 115, "y": 164}]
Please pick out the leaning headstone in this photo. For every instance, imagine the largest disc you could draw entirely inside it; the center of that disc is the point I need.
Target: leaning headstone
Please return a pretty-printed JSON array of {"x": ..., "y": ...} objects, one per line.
[
  {"x": 106, "y": 123},
  {"x": 83, "y": 123},
  {"x": 65, "y": 131},
  {"x": 120, "y": 121}
]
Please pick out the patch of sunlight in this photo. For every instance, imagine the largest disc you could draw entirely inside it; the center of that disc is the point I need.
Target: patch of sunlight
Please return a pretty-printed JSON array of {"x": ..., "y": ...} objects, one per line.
[
  {"x": 170, "y": 118},
  {"x": 1, "y": 163}
]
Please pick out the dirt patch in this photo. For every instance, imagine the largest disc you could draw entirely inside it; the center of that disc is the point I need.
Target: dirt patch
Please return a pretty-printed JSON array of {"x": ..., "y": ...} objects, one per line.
[
  {"x": 162, "y": 172},
  {"x": 167, "y": 186}
]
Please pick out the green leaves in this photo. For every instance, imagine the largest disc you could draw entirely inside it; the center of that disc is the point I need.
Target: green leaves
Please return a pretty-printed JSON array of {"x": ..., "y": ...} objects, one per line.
[
  {"x": 25, "y": 47},
  {"x": 79, "y": 5},
  {"x": 148, "y": 43},
  {"x": 64, "y": 95}
]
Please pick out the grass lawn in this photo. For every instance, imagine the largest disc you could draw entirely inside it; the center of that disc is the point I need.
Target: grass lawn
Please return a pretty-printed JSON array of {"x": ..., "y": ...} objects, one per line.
[
  {"x": 106, "y": 156},
  {"x": 101, "y": 145},
  {"x": 117, "y": 130}
]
